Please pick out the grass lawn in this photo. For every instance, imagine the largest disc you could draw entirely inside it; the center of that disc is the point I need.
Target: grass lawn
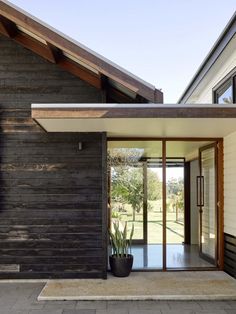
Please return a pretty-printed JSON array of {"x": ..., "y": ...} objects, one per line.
[{"x": 174, "y": 232}]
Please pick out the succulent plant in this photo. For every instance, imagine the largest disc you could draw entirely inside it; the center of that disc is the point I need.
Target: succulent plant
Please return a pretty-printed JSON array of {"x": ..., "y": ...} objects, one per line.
[{"x": 120, "y": 243}]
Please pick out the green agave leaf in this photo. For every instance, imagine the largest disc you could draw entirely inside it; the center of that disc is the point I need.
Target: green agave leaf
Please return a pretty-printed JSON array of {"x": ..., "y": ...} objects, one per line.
[{"x": 119, "y": 241}]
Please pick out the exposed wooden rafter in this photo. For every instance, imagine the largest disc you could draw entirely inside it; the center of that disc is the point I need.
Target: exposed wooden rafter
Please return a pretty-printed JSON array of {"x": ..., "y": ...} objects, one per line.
[
  {"x": 55, "y": 55},
  {"x": 48, "y": 52},
  {"x": 54, "y": 47},
  {"x": 104, "y": 67},
  {"x": 35, "y": 46},
  {"x": 74, "y": 68}
]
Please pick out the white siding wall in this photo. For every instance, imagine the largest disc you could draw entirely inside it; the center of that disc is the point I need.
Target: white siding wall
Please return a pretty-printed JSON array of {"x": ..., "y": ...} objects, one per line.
[
  {"x": 206, "y": 95},
  {"x": 225, "y": 64},
  {"x": 203, "y": 95},
  {"x": 230, "y": 184}
]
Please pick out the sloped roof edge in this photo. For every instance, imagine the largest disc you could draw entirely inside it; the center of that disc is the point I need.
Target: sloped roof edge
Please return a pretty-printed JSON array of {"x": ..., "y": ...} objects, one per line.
[
  {"x": 77, "y": 50},
  {"x": 225, "y": 36}
]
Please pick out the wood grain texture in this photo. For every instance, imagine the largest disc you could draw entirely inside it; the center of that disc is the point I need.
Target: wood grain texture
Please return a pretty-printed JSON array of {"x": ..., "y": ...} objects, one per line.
[
  {"x": 52, "y": 196},
  {"x": 109, "y": 113}
]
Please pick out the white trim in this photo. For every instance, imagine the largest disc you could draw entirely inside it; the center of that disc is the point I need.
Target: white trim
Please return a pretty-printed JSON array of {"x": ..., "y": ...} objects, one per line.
[{"x": 133, "y": 106}]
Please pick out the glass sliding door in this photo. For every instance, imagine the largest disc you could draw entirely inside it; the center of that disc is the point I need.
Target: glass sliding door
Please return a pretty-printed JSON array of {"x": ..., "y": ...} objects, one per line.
[
  {"x": 175, "y": 212},
  {"x": 207, "y": 202},
  {"x": 127, "y": 194},
  {"x": 154, "y": 213},
  {"x": 191, "y": 200},
  {"x": 135, "y": 196},
  {"x": 167, "y": 190}
]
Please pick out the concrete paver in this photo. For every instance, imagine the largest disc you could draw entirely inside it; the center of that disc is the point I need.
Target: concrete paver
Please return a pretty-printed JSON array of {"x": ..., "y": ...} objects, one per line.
[{"x": 21, "y": 298}]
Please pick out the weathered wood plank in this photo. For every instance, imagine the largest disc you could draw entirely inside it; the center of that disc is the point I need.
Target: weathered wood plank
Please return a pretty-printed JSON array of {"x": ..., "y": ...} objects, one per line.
[
  {"x": 51, "y": 205},
  {"x": 30, "y": 244}
]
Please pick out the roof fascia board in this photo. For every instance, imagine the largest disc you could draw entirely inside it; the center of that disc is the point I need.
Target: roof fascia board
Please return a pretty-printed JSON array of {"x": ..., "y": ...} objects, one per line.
[{"x": 84, "y": 111}]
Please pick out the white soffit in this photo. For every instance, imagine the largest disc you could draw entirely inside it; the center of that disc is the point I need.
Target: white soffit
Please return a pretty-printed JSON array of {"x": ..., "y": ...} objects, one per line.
[{"x": 144, "y": 127}]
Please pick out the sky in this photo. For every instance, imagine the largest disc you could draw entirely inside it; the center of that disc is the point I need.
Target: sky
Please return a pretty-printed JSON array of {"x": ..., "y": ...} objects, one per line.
[{"x": 161, "y": 41}]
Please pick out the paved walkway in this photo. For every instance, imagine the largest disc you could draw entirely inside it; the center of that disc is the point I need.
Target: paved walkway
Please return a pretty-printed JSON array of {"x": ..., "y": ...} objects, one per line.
[{"x": 21, "y": 298}]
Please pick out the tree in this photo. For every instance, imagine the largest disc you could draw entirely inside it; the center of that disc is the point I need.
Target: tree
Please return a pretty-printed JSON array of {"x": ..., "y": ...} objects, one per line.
[
  {"x": 127, "y": 186},
  {"x": 154, "y": 186},
  {"x": 175, "y": 192}
]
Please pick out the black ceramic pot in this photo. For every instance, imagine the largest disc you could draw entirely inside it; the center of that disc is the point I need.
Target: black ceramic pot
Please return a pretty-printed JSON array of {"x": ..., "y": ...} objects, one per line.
[{"x": 121, "y": 266}]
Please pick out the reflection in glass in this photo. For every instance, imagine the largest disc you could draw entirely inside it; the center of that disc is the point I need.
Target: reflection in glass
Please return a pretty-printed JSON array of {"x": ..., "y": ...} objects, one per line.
[
  {"x": 135, "y": 180},
  {"x": 208, "y": 236},
  {"x": 224, "y": 95}
]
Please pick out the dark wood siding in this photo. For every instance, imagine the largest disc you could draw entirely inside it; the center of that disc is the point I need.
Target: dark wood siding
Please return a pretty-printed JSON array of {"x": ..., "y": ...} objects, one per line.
[
  {"x": 52, "y": 195},
  {"x": 230, "y": 254}
]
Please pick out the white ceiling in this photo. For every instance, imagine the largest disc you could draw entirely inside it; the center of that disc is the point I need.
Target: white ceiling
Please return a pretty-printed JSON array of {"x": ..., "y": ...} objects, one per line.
[{"x": 145, "y": 127}]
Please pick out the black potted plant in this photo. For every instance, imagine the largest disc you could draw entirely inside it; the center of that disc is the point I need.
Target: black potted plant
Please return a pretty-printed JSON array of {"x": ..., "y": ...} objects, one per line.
[{"x": 121, "y": 260}]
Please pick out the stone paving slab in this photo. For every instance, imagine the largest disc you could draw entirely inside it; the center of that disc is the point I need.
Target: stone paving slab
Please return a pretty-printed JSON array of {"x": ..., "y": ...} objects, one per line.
[{"x": 185, "y": 285}]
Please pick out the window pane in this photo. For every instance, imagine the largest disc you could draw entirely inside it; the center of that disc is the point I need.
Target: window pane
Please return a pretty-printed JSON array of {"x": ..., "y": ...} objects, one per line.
[{"x": 224, "y": 95}]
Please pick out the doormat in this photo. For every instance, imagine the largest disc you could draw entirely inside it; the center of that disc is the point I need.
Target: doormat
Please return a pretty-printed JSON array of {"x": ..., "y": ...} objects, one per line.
[{"x": 183, "y": 285}]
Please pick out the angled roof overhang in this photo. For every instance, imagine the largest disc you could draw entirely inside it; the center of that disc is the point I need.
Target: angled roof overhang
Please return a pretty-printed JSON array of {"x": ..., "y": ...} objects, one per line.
[
  {"x": 136, "y": 120},
  {"x": 119, "y": 84},
  {"x": 217, "y": 49}
]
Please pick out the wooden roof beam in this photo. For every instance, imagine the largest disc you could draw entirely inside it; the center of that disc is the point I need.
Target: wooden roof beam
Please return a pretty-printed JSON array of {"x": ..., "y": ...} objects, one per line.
[
  {"x": 48, "y": 52},
  {"x": 75, "y": 49},
  {"x": 35, "y": 46},
  {"x": 9, "y": 29},
  {"x": 74, "y": 68}
]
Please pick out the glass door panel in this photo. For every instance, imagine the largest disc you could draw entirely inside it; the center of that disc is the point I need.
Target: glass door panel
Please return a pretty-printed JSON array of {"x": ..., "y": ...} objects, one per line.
[
  {"x": 190, "y": 228},
  {"x": 126, "y": 195},
  {"x": 175, "y": 213},
  {"x": 208, "y": 203},
  {"x": 135, "y": 196},
  {"x": 154, "y": 212}
]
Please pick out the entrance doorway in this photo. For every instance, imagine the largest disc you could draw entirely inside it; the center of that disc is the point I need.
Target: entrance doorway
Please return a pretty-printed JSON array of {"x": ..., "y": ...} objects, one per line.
[{"x": 167, "y": 189}]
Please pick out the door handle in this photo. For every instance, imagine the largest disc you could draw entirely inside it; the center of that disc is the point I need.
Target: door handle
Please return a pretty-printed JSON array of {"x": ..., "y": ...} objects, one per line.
[{"x": 200, "y": 191}]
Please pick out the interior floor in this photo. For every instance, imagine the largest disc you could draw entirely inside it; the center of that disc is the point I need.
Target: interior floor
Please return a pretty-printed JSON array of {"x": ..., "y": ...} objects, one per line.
[{"x": 178, "y": 256}]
